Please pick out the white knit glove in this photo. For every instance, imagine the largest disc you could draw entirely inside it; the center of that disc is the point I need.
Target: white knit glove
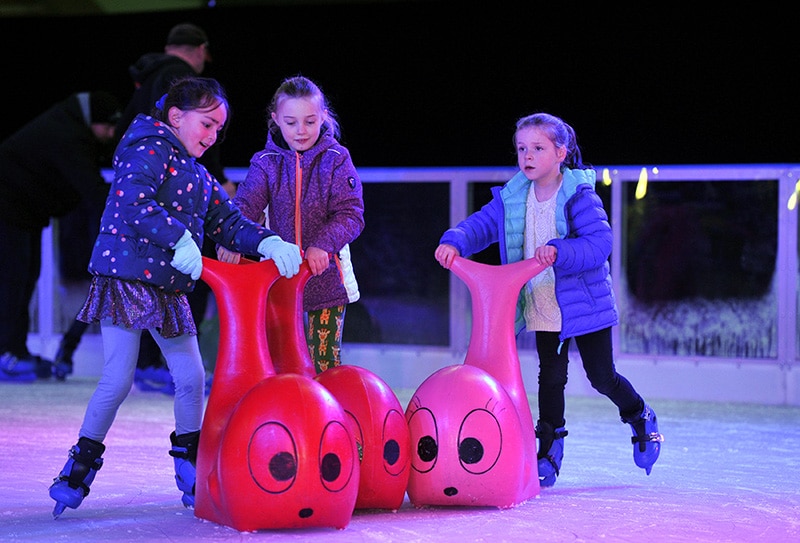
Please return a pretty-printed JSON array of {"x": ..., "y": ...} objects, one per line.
[
  {"x": 188, "y": 258},
  {"x": 286, "y": 255}
]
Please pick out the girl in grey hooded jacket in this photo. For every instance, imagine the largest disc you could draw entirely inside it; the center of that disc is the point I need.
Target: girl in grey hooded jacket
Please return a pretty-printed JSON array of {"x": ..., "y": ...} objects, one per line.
[{"x": 304, "y": 184}]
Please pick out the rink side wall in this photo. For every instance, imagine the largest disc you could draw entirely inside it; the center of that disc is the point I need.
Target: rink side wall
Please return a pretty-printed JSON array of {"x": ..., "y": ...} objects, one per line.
[{"x": 769, "y": 378}]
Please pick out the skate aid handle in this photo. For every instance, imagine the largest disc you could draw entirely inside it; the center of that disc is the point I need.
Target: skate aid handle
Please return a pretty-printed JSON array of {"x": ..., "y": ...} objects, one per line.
[{"x": 285, "y": 255}]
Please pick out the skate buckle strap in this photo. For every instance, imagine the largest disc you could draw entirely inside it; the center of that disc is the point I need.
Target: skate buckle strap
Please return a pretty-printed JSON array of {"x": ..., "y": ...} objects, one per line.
[
  {"x": 652, "y": 437},
  {"x": 74, "y": 484},
  {"x": 553, "y": 463},
  {"x": 81, "y": 467},
  {"x": 89, "y": 458},
  {"x": 179, "y": 454}
]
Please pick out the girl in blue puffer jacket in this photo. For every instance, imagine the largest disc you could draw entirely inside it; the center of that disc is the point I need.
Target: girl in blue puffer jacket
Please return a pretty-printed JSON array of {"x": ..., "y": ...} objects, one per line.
[
  {"x": 146, "y": 258},
  {"x": 550, "y": 211}
]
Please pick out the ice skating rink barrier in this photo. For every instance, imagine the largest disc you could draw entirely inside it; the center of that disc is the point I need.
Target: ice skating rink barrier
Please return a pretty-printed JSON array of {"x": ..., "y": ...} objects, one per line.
[{"x": 698, "y": 227}]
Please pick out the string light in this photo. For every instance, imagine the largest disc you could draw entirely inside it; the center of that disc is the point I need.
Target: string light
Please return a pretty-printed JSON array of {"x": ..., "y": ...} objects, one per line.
[
  {"x": 641, "y": 186},
  {"x": 606, "y": 177}
]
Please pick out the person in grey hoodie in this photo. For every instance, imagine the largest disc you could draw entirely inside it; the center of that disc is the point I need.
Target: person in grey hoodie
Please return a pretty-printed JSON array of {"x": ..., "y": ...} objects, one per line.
[
  {"x": 550, "y": 211},
  {"x": 305, "y": 185}
]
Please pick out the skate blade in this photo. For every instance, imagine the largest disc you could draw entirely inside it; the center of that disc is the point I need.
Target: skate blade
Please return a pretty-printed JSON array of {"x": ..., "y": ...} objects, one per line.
[{"x": 59, "y": 508}]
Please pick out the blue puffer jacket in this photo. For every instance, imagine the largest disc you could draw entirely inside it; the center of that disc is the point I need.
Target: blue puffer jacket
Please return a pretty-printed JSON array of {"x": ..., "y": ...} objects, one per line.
[
  {"x": 158, "y": 192},
  {"x": 583, "y": 277}
]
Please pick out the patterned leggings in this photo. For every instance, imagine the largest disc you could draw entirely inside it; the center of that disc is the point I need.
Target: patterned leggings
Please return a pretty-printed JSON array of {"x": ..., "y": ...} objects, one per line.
[{"x": 324, "y": 336}]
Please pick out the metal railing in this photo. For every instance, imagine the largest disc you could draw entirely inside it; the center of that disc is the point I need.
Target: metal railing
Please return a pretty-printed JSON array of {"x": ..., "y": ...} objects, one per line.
[{"x": 618, "y": 182}]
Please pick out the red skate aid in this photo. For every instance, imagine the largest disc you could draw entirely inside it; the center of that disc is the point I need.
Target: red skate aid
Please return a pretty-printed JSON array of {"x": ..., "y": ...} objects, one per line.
[
  {"x": 276, "y": 451},
  {"x": 381, "y": 434},
  {"x": 472, "y": 432},
  {"x": 375, "y": 413}
]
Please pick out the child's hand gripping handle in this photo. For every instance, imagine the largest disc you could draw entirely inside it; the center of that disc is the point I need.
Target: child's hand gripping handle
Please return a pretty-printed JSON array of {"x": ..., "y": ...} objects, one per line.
[{"x": 285, "y": 255}]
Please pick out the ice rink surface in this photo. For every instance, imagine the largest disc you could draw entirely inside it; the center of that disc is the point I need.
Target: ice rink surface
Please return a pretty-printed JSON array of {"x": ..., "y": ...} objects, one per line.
[{"x": 727, "y": 473}]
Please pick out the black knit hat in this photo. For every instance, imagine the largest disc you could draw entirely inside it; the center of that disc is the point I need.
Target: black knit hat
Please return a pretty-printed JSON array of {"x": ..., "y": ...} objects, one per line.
[
  {"x": 187, "y": 34},
  {"x": 104, "y": 108}
]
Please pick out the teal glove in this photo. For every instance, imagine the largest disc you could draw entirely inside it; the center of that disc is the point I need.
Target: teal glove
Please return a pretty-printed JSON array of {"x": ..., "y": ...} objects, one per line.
[
  {"x": 188, "y": 258},
  {"x": 285, "y": 255}
]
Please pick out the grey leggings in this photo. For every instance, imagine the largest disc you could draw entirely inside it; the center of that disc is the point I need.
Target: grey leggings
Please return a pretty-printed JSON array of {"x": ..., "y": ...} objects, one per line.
[{"x": 121, "y": 350}]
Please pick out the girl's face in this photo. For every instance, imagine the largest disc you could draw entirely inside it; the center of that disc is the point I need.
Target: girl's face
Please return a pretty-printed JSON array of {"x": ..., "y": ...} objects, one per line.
[
  {"x": 300, "y": 121},
  {"x": 538, "y": 158},
  {"x": 197, "y": 129}
]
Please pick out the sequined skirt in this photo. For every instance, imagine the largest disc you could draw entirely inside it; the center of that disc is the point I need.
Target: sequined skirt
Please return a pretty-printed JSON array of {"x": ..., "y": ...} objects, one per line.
[{"x": 137, "y": 305}]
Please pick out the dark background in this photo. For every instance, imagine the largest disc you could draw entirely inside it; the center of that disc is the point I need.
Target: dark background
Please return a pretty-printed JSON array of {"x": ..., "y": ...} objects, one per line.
[
  {"x": 431, "y": 83},
  {"x": 434, "y": 83}
]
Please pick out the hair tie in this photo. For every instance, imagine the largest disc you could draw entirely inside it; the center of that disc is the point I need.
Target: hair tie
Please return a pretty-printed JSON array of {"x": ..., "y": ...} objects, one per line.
[{"x": 160, "y": 103}]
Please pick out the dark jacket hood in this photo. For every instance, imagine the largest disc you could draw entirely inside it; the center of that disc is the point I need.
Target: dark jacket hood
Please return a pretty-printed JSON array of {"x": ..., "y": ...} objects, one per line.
[{"x": 150, "y": 63}]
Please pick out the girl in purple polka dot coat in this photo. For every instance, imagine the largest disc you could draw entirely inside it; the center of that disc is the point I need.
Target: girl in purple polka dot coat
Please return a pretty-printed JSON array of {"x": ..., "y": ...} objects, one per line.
[{"x": 146, "y": 258}]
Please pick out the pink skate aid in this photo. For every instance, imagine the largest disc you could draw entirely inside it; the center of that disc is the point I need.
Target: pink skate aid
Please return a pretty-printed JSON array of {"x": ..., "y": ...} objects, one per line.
[
  {"x": 375, "y": 413},
  {"x": 276, "y": 451},
  {"x": 472, "y": 433}
]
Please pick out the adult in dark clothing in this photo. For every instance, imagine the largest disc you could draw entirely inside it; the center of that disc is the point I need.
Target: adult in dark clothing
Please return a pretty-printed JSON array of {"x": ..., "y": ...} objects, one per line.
[
  {"x": 185, "y": 54},
  {"x": 77, "y": 231},
  {"x": 48, "y": 168}
]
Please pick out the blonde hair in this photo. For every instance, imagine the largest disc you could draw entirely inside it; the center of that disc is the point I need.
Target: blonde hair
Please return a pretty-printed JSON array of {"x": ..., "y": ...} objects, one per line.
[{"x": 302, "y": 87}]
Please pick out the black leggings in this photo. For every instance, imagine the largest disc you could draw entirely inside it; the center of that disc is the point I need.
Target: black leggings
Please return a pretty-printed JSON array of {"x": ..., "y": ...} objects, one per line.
[{"x": 598, "y": 361}]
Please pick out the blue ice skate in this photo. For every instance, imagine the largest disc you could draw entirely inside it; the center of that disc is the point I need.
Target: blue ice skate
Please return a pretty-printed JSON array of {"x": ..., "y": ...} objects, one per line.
[
  {"x": 17, "y": 369},
  {"x": 72, "y": 484},
  {"x": 184, "y": 452},
  {"x": 550, "y": 452},
  {"x": 646, "y": 439}
]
